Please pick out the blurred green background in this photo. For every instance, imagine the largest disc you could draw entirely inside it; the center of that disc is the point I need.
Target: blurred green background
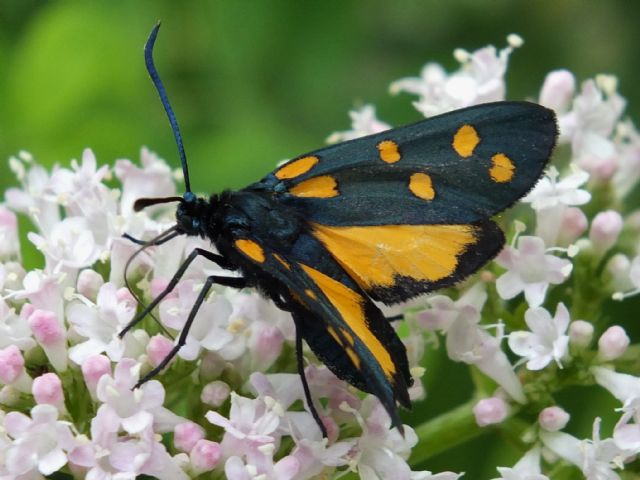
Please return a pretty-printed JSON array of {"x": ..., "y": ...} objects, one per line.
[{"x": 256, "y": 82}]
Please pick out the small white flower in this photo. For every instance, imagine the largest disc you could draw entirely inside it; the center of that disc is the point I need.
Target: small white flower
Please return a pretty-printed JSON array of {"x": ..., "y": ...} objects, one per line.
[
  {"x": 625, "y": 388},
  {"x": 530, "y": 270},
  {"x": 480, "y": 79},
  {"x": 39, "y": 444},
  {"x": 100, "y": 324},
  {"x": 35, "y": 198},
  {"x": 131, "y": 409},
  {"x": 627, "y": 147},
  {"x": 597, "y": 109},
  {"x": 551, "y": 198},
  {"x": 14, "y": 330},
  {"x": 550, "y": 192},
  {"x": 70, "y": 244},
  {"x": 547, "y": 339},
  {"x": 595, "y": 457},
  {"x": 381, "y": 452},
  {"x": 527, "y": 468},
  {"x": 154, "y": 179},
  {"x": 467, "y": 341},
  {"x": 211, "y": 328},
  {"x": 363, "y": 122}
]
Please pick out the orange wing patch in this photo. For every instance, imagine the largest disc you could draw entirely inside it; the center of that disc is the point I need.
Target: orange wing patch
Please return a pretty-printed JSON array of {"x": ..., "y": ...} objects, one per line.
[
  {"x": 296, "y": 168},
  {"x": 388, "y": 151},
  {"x": 465, "y": 141},
  {"x": 502, "y": 168},
  {"x": 421, "y": 186},
  {"x": 251, "y": 249},
  {"x": 375, "y": 255},
  {"x": 324, "y": 186},
  {"x": 349, "y": 304}
]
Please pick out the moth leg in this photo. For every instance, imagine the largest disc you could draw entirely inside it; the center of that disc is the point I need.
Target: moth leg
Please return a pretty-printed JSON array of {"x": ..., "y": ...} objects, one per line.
[
  {"x": 226, "y": 281},
  {"x": 394, "y": 318},
  {"x": 137, "y": 241},
  {"x": 236, "y": 282},
  {"x": 305, "y": 385}
]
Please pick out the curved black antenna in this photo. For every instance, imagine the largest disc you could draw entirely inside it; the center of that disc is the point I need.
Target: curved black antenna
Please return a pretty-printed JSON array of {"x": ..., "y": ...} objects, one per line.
[
  {"x": 159, "y": 240},
  {"x": 155, "y": 78}
]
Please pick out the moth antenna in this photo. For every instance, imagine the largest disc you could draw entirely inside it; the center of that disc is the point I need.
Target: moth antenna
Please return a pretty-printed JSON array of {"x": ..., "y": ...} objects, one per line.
[
  {"x": 161, "y": 238},
  {"x": 143, "y": 203},
  {"x": 155, "y": 78}
]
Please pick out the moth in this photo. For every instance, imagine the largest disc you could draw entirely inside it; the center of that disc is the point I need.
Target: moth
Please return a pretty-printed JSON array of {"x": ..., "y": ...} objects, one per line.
[{"x": 381, "y": 218}]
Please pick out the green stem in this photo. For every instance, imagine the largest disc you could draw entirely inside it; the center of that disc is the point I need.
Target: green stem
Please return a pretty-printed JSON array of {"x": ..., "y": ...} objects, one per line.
[
  {"x": 456, "y": 427},
  {"x": 444, "y": 432}
]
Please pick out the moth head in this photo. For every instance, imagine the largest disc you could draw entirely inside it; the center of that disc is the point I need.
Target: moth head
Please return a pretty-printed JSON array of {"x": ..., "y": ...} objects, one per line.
[{"x": 192, "y": 214}]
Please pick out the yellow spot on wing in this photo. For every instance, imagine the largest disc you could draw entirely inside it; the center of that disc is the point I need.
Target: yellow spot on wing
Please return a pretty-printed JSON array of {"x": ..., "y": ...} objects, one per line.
[
  {"x": 388, "y": 150},
  {"x": 502, "y": 169},
  {"x": 334, "y": 334},
  {"x": 251, "y": 249},
  {"x": 282, "y": 261},
  {"x": 375, "y": 255},
  {"x": 310, "y": 294},
  {"x": 421, "y": 186},
  {"x": 354, "y": 358},
  {"x": 347, "y": 335},
  {"x": 350, "y": 306},
  {"x": 296, "y": 167},
  {"x": 317, "y": 187},
  {"x": 465, "y": 141}
]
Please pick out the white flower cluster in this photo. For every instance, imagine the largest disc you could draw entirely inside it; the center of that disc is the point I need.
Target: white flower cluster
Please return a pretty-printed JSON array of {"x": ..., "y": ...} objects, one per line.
[
  {"x": 60, "y": 350},
  {"x": 67, "y": 400}
]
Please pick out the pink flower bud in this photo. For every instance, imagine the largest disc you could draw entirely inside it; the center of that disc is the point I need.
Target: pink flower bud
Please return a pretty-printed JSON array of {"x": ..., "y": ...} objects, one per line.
[
  {"x": 268, "y": 345},
  {"x": 88, "y": 284},
  {"x": 574, "y": 224},
  {"x": 158, "y": 348},
  {"x": 47, "y": 388},
  {"x": 205, "y": 456},
  {"x": 599, "y": 159},
  {"x": 11, "y": 364},
  {"x": 93, "y": 368},
  {"x": 613, "y": 343},
  {"x": 10, "y": 244},
  {"x": 8, "y": 220},
  {"x": 123, "y": 295},
  {"x": 580, "y": 333},
  {"x": 26, "y": 311},
  {"x": 489, "y": 411},
  {"x": 46, "y": 328},
  {"x": 605, "y": 228},
  {"x": 618, "y": 267},
  {"x": 557, "y": 90},
  {"x": 186, "y": 435},
  {"x": 157, "y": 286},
  {"x": 215, "y": 393},
  {"x": 553, "y": 419},
  {"x": 50, "y": 334}
]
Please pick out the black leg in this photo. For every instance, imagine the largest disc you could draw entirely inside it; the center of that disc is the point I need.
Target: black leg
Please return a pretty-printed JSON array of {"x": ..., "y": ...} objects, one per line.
[
  {"x": 185, "y": 330},
  {"x": 150, "y": 242},
  {"x": 137, "y": 241},
  {"x": 305, "y": 385},
  {"x": 393, "y": 318},
  {"x": 237, "y": 282}
]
